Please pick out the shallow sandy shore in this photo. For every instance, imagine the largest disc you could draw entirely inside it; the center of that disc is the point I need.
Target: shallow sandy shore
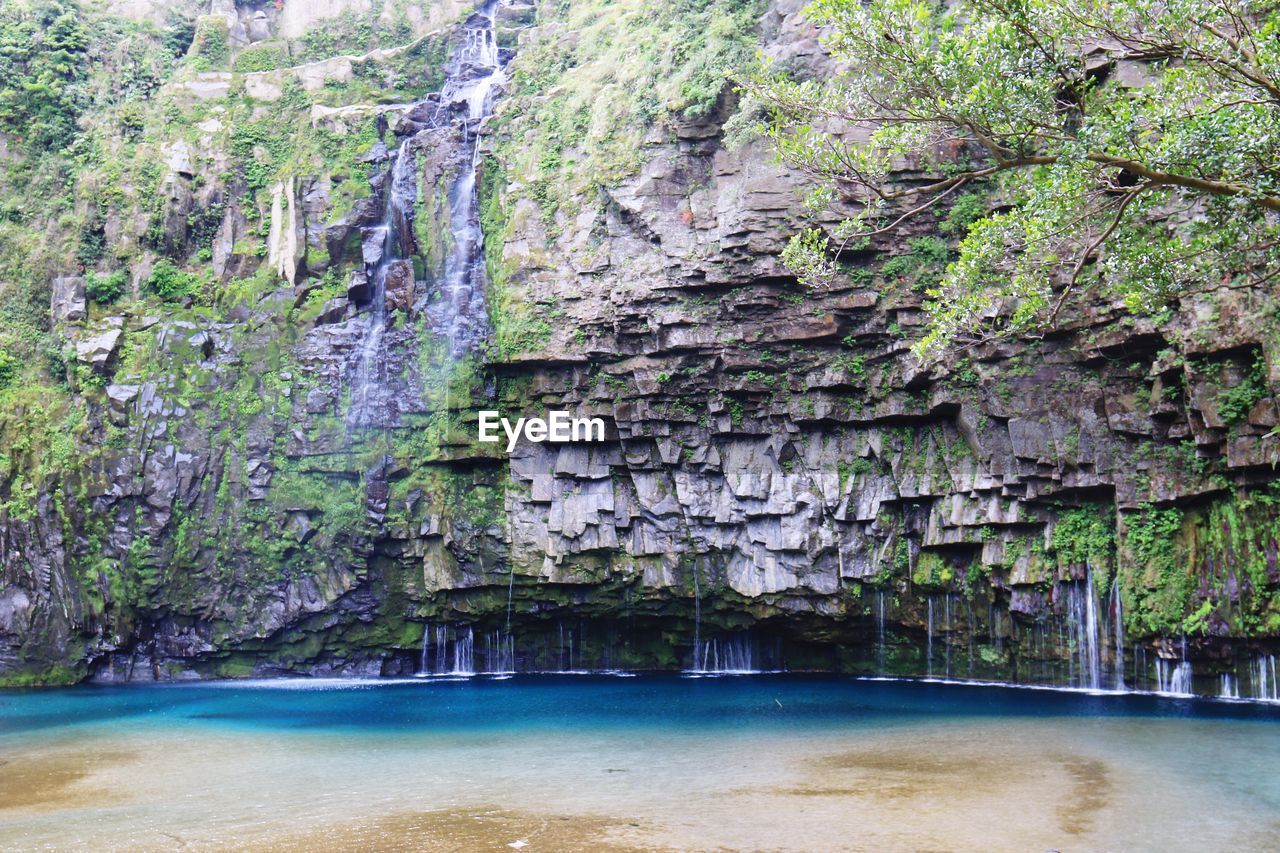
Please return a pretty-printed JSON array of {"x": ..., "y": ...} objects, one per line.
[{"x": 988, "y": 785}]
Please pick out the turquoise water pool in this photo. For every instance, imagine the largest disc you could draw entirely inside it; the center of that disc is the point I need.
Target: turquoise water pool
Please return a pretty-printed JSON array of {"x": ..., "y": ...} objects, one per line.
[{"x": 646, "y": 762}]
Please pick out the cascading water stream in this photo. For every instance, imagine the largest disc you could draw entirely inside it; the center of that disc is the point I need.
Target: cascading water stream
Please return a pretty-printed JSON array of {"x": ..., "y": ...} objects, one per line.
[
  {"x": 382, "y": 250},
  {"x": 499, "y": 653},
  {"x": 456, "y": 315},
  {"x": 1174, "y": 679},
  {"x": 452, "y": 658},
  {"x": 460, "y": 317},
  {"x": 1091, "y": 657},
  {"x": 445, "y": 127},
  {"x": 1085, "y": 633}
]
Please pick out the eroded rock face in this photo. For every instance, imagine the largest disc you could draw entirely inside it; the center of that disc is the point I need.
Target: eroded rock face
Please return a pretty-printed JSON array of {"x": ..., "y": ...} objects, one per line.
[
  {"x": 68, "y": 302},
  {"x": 97, "y": 348},
  {"x": 776, "y": 461}
]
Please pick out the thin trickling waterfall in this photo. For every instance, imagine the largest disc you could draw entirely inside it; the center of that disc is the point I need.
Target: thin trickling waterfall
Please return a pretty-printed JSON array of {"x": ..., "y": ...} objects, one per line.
[
  {"x": 382, "y": 250},
  {"x": 697, "y": 616},
  {"x": 731, "y": 656},
  {"x": 499, "y": 653},
  {"x": 946, "y": 634},
  {"x": 564, "y": 651},
  {"x": 1228, "y": 687},
  {"x": 426, "y": 645},
  {"x": 464, "y": 653},
  {"x": 460, "y": 316},
  {"x": 451, "y": 657},
  {"x": 1263, "y": 679},
  {"x": 1174, "y": 679},
  {"x": 880, "y": 648},
  {"x": 1091, "y": 649},
  {"x": 1082, "y": 621},
  {"x": 969, "y": 625},
  {"x": 1117, "y": 622},
  {"x": 929, "y": 647}
]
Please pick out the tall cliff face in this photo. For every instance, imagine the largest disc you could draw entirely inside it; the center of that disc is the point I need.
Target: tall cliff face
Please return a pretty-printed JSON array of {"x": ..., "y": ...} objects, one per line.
[{"x": 782, "y": 479}]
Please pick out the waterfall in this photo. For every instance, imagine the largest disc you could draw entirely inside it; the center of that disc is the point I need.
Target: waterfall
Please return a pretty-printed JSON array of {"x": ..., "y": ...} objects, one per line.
[
  {"x": 462, "y": 659},
  {"x": 464, "y": 653},
  {"x": 506, "y": 642},
  {"x": 1083, "y": 633},
  {"x": 1181, "y": 680},
  {"x": 1262, "y": 675},
  {"x": 697, "y": 616},
  {"x": 968, "y": 615},
  {"x": 511, "y": 588},
  {"x": 1173, "y": 679},
  {"x": 381, "y": 251},
  {"x": 426, "y": 644},
  {"x": 1091, "y": 647},
  {"x": 1229, "y": 687},
  {"x": 880, "y": 648},
  {"x": 732, "y": 656},
  {"x": 1117, "y": 616},
  {"x": 458, "y": 317},
  {"x": 475, "y": 73},
  {"x": 499, "y": 653},
  {"x": 946, "y": 636},
  {"x": 929, "y": 647}
]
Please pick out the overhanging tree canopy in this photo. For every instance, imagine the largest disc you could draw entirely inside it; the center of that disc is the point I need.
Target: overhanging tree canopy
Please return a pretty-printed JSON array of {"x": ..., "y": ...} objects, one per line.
[{"x": 1149, "y": 186}]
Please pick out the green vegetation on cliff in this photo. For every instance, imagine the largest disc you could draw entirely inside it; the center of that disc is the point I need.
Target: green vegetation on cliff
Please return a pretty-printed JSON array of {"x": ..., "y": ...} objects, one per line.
[
  {"x": 604, "y": 76},
  {"x": 1133, "y": 144}
]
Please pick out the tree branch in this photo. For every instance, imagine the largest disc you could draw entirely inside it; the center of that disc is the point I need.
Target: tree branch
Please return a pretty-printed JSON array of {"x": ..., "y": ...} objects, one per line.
[
  {"x": 903, "y": 218},
  {"x": 1093, "y": 247}
]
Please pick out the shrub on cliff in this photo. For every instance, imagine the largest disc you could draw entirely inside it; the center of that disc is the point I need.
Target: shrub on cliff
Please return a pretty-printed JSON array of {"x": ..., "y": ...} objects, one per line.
[
  {"x": 106, "y": 288},
  {"x": 172, "y": 284},
  {"x": 261, "y": 57},
  {"x": 8, "y": 369},
  {"x": 42, "y": 68},
  {"x": 209, "y": 48},
  {"x": 1133, "y": 144}
]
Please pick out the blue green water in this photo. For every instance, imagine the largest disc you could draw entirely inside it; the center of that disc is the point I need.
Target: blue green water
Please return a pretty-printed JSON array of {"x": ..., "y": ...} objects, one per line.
[
  {"x": 647, "y": 762},
  {"x": 577, "y": 702}
]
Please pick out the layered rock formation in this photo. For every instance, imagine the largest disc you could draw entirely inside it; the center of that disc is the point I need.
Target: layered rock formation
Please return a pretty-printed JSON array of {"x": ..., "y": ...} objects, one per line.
[{"x": 781, "y": 476}]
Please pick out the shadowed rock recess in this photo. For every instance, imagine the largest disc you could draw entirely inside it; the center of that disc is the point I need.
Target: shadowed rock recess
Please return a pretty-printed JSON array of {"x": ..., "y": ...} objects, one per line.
[{"x": 505, "y": 209}]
